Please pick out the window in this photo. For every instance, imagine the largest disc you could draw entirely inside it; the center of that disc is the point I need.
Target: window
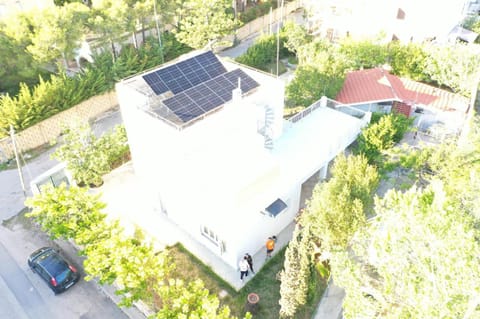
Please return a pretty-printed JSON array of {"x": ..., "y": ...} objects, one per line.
[
  {"x": 213, "y": 237},
  {"x": 275, "y": 208}
]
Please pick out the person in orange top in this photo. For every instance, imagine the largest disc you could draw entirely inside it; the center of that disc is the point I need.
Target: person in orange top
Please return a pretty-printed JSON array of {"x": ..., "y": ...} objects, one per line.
[{"x": 270, "y": 245}]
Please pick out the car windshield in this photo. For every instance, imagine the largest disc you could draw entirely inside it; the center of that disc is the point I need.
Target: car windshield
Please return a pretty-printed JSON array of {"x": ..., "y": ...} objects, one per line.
[{"x": 56, "y": 267}]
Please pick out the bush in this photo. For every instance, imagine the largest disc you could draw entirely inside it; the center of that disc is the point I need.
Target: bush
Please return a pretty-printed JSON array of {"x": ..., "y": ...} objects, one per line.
[
  {"x": 88, "y": 158},
  {"x": 263, "y": 53},
  {"x": 382, "y": 135}
]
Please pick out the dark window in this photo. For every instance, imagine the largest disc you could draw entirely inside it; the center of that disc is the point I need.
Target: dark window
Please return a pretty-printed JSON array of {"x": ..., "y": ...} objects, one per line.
[{"x": 276, "y": 207}]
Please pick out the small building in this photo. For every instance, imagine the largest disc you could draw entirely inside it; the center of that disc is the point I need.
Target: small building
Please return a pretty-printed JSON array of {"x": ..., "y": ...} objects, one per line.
[
  {"x": 213, "y": 151},
  {"x": 376, "y": 90}
]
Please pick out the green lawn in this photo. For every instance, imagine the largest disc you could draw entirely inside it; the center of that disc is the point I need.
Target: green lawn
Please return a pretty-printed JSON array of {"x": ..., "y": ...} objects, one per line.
[{"x": 264, "y": 283}]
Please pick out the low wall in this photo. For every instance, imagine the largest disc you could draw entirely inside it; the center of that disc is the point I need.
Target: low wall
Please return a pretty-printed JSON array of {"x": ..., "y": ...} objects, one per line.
[{"x": 49, "y": 129}]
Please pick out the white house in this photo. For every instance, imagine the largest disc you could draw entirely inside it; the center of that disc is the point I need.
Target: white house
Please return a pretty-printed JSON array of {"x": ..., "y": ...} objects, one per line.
[
  {"x": 404, "y": 20},
  {"x": 209, "y": 142}
]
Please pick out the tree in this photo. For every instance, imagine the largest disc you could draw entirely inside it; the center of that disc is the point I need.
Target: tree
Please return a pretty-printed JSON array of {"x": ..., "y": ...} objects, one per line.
[
  {"x": 17, "y": 64},
  {"x": 87, "y": 162},
  {"x": 408, "y": 60},
  {"x": 310, "y": 84},
  {"x": 455, "y": 66},
  {"x": 296, "y": 272},
  {"x": 419, "y": 258},
  {"x": 339, "y": 207},
  {"x": 205, "y": 21},
  {"x": 58, "y": 32},
  {"x": 296, "y": 36},
  {"x": 64, "y": 212},
  {"x": 109, "y": 19},
  {"x": 363, "y": 54}
]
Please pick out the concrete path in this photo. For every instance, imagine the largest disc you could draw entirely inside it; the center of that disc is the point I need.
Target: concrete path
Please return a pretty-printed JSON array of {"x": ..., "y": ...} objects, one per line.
[{"x": 330, "y": 307}]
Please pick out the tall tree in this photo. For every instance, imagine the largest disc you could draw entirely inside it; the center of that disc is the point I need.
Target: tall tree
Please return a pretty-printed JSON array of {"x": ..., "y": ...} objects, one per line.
[
  {"x": 205, "y": 21},
  {"x": 17, "y": 64},
  {"x": 109, "y": 20},
  {"x": 296, "y": 272}
]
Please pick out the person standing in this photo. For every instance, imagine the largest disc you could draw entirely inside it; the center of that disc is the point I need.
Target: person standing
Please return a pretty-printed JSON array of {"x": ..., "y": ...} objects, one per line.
[
  {"x": 243, "y": 265},
  {"x": 250, "y": 262},
  {"x": 270, "y": 246}
]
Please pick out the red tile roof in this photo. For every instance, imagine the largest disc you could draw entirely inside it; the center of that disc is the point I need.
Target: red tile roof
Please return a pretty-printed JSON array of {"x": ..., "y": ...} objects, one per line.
[{"x": 375, "y": 85}]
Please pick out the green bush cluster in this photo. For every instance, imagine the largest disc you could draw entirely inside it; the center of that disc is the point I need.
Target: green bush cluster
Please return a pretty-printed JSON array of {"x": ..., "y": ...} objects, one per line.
[
  {"x": 263, "y": 54},
  {"x": 89, "y": 158},
  {"x": 382, "y": 135},
  {"x": 61, "y": 92}
]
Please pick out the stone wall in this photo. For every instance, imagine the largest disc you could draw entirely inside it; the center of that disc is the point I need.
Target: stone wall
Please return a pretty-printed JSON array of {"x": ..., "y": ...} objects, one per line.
[{"x": 49, "y": 129}]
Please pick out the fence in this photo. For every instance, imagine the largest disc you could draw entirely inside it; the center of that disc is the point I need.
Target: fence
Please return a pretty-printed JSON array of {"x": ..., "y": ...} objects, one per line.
[
  {"x": 264, "y": 23},
  {"x": 49, "y": 129}
]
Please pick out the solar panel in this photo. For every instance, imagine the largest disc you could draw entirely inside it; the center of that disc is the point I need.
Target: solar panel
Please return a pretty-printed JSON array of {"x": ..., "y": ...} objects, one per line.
[
  {"x": 204, "y": 97},
  {"x": 185, "y": 74}
]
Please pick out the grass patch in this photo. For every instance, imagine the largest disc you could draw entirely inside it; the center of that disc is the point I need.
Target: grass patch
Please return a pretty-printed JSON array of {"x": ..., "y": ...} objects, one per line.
[{"x": 264, "y": 283}]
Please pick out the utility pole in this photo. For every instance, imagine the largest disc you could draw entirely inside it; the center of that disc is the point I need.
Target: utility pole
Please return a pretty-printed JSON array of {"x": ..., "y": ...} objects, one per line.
[
  {"x": 20, "y": 174},
  {"x": 280, "y": 7},
  {"x": 157, "y": 27}
]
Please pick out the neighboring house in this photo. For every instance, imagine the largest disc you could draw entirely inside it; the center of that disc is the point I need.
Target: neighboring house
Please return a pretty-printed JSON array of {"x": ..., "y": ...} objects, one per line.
[
  {"x": 10, "y": 7},
  {"x": 404, "y": 20},
  {"x": 376, "y": 90},
  {"x": 210, "y": 145}
]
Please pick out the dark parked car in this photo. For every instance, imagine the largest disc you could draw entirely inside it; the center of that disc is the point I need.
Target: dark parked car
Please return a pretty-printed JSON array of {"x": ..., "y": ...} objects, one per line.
[{"x": 53, "y": 268}]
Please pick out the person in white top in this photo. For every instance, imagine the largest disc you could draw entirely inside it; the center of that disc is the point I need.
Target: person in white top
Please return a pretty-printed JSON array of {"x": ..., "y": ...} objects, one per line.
[{"x": 243, "y": 265}]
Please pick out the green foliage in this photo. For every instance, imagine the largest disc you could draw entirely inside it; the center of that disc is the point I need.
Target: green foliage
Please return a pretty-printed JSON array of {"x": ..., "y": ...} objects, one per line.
[
  {"x": 296, "y": 36},
  {"x": 263, "y": 53},
  {"x": 204, "y": 22},
  {"x": 88, "y": 158},
  {"x": 408, "y": 60},
  {"x": 364, "y": 54},
  {"x": 455, "y": 66},
  {"x": 338, "y": 208},
  {"x": 296, "y": 272},
  {"x": 84, "y": 158},
  {"x": 309, "y": 85},
  {"x": 64, "y": 212},
  {"x": 382, "y": 135},
  {"x": 417, "y": 259}
]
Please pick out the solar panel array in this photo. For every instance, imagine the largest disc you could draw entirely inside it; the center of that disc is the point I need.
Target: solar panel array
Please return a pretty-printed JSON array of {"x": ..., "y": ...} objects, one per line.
[
  {"x": 198, "y": 100},
  {"x": 185, "y": 74}
]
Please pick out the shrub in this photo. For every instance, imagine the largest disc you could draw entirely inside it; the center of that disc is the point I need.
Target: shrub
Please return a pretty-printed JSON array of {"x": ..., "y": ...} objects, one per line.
[
  {"x": 263, "y": 53},
  {"x": 89, "y": 158},
  {"x": 382, "y": 135}
]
